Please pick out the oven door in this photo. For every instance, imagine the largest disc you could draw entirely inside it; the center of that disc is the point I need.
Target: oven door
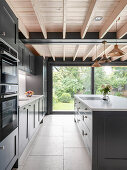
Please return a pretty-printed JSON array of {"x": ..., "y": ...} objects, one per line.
[
  {"x": 8, "y": 115},
  {"x": 8, "y": 72}
]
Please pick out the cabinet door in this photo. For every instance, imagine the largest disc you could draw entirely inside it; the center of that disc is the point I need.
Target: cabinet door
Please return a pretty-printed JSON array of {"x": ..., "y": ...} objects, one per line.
[
  {"x": 20, "y": 55},
  {"x": 32, "y": 64},
  {"x": 31, "y": 119},
  {"x": 41, "y": 108},
  {"x": 37, "y": 117},
  {"x": 26, "y": 60},
  {"x": 23, "y": 129},
  {"x": 9, "y": 150},
  {"x": 8, "y": 25}
]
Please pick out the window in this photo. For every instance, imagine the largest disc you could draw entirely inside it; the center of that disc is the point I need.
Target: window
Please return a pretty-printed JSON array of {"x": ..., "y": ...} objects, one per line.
[
  {"x": 115, "y": 76},
  {"x": 67, "y": 81}
]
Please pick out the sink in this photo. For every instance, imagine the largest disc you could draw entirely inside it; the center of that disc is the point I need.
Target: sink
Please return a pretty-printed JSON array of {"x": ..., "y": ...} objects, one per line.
[
  {"x": 23, "y": 99},
  {"x": 91, "y": 98}
]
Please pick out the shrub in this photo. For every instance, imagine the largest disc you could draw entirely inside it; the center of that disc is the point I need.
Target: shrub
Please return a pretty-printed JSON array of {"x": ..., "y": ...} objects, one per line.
[{"x": 65, "y": 98}]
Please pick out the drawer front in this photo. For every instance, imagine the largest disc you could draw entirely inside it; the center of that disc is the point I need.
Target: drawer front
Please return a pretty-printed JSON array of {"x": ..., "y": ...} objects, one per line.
[
  {"x": 8, "y": 149},
  {"x": 87, "y": 119}
]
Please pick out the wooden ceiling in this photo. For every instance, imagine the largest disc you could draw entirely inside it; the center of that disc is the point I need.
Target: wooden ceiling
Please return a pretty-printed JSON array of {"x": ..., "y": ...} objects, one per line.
[{"x": 70, "y": 16}]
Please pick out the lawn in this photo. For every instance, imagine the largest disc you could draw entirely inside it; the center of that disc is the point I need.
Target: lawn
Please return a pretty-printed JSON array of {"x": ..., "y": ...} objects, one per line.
[{"x": 63, "y": 106}]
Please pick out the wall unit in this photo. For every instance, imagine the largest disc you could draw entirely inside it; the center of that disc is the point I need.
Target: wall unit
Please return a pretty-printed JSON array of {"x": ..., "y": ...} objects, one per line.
[
  {"x": 9, "y": 151},
  {"x": 104, "y": 135},
  {"x": 30, "y": 116},
  {"x": 8, "y": 25},
  {"x": 27, "y": 59}
]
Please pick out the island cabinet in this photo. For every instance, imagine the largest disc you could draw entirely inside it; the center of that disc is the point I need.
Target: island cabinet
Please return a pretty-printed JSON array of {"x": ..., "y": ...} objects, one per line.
[
  {"x": 9, "y": 151},
  {"x": 104, "y": 133},
  {"x": 8, "y": 25},
  {"x": 29, "y": 120}
]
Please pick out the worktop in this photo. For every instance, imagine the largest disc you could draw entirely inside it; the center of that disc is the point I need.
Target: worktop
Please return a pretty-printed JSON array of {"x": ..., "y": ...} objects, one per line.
[
  {"x": 26, "y": 100},
  {"x": 114, "y": 103}
]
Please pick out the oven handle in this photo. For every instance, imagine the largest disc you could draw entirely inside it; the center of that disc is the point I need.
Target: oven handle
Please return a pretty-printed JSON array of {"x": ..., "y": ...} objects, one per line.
[
  {"x": 2, "y": 52},
  {"x": 6, "y": 96}
]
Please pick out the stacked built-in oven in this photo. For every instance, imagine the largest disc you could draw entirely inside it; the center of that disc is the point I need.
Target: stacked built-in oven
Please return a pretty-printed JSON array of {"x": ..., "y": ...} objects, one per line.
[{"x": 8, "y": 89}]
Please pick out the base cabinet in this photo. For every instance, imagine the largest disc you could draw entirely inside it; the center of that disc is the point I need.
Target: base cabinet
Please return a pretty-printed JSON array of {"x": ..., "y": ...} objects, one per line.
[
  {"x": 23, "y": 129},
  {"x": 9, "y": 151},
  {"x": 29, "y": 120},
  {"x": 105, "y": 136}
]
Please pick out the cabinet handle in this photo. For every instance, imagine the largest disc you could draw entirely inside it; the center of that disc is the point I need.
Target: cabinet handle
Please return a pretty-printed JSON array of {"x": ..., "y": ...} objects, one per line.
[
  {"x": 85, "y": 116},
  {"x": 24, "y": 108},
  {"x": 29, "y": 105},
  {"x": 85, "y": 134},
  {"x": 78, "y": 120},
  {"x": 2, "y": 147},
  {"x": 3, "y": 33}
]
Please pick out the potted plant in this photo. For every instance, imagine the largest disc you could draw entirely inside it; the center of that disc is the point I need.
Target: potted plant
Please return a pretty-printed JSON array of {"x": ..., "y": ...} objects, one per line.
[{"x": 105, "y": 89}]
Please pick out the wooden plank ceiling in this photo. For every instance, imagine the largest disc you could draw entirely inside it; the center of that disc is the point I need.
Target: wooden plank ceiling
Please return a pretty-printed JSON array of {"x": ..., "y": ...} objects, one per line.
[{"x": 71, "y": 16}]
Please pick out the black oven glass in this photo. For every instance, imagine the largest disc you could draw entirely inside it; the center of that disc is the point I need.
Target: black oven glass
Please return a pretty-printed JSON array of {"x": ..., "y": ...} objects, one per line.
[
  {"x": 9, "y": 72},
  {"x": 9, "y": 111}
]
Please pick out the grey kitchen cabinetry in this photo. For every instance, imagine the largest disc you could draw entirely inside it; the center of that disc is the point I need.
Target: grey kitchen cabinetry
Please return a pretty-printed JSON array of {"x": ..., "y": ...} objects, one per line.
[
  {"x": 105, "y": 136},
  {"x": 23, "y": 128},
  {"x": 9, "y": 151},
  {"x": 20, "y": 55},
  {"x": 27, "y": 59},
  {"x": 29, "y": 120},
  {"x": 8, "y": 25}
]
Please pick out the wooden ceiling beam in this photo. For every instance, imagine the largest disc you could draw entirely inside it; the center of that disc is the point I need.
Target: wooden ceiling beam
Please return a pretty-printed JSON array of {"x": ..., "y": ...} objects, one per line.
[
  {"x": 21, "y": 25},
  {"x": 76, "y": 52},
  {"x": 112, "y": 18},
  {"x": 40, "y": 18},
  {"x": 116, "y": 58},
  {"x": 124, "y": 58},
  {"x": 50, "y": 50},
  {"x": 88, "y": 52},
  {"x": 122, "y": 31},
  {"x": 64, "y": 18},
  {"x": 64, "y": 54},
  {"x": 100, "y": 51},
  {"x": 88, "y": 18}
]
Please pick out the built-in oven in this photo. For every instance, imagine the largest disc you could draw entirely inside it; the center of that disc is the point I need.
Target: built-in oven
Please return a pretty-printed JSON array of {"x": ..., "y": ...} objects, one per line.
[
  {"x": 8, "y": 64},
  {"x": 8, "y": 110}
]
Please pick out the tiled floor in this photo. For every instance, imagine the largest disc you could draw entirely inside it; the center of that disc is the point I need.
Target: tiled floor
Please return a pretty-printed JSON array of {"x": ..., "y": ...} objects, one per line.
[{"x": 57, "y": 146}]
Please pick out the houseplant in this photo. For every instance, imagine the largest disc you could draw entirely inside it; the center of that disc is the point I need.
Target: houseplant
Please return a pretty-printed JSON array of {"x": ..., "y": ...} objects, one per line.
[{"x": 105, "y": 89}]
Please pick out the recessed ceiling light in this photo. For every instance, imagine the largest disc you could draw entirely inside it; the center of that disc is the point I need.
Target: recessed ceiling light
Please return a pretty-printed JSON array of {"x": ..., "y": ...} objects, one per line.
[{"x": 98, "y": 18}]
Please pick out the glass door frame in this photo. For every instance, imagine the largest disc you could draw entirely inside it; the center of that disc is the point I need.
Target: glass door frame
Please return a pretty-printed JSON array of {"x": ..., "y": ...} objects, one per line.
[{"x": 50, "y": 83}]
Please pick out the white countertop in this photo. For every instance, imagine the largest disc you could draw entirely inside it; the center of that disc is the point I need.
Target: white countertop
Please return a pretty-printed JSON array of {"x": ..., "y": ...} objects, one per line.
[
  {"x": 114, "y": 103},
  {"x": 26, "y": 100}
]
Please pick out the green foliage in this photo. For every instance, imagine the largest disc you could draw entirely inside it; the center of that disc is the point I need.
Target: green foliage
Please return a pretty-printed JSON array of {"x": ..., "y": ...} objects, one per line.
[{"x": 65, "y": 98}]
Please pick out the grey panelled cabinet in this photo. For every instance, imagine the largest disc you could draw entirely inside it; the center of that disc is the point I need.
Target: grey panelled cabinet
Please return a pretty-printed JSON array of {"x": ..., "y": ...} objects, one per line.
[
  {"x": 8, "y": 25},
  {"x": 9, "y": 151},
  {"x": 27, "y": 59},
  {"x": 23, "y": 129},
  {"x": 105, "y": 136},
  {"x": 29, "y": 120}
]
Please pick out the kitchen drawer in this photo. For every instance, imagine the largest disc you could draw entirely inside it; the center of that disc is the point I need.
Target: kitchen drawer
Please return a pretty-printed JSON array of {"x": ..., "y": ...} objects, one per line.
[
  {"x": 9, "y": 150},
  {"x": 87, "y": 118}
]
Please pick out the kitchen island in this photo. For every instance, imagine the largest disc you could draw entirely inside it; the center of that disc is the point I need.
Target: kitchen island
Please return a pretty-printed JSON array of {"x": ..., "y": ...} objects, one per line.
[{"x": 103, "y": 127}]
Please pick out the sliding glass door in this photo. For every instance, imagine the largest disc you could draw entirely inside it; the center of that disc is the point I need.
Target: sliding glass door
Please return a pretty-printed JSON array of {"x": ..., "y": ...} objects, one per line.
[{"x": 67, "y": 81}]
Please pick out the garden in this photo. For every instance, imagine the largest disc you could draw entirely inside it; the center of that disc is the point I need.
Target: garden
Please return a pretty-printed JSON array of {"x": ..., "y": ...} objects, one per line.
[{"x": 71, "y": 80}]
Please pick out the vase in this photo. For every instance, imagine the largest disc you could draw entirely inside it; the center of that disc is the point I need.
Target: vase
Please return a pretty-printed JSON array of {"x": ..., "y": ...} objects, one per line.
[{"x": 105, "y": 97}]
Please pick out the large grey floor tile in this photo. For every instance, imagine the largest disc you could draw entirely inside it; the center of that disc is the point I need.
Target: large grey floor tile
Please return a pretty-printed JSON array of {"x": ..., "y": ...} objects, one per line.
[
  {"x": 48, "y": 146},
  {"x": 73, "y": 140},
  {"x": 51, "y": 131},
  {"x": 44, "y": 163},
  {"x": 76, "y": 159}
]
